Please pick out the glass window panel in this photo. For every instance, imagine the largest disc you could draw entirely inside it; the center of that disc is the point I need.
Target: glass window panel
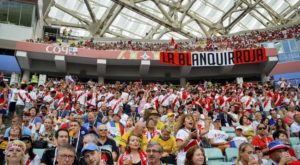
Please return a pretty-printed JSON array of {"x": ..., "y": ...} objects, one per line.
[
  {"x": 286, "y": 46},
  {"x": 4, "y": 12},
  {"x": 14, "y": 13},
  {"x": 26, "y": 15},
  {"x": 293, "y": 46},
  {"x": 278, "y": 46}
]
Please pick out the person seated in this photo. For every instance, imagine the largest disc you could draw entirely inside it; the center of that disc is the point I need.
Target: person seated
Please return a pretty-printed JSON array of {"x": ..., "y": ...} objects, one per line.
[
  {"x": 239, "y": 139},
  {"x": 92, "y": 155},
  {"x": 282, "y": 136},
  {"x": 278, "y": 153},
  {"x": 92, "y": 123},
  {"x": 246, "y": 155},
  {"x": 15, "y": 153},
  {"x": 168, "y": 142},
  {"x": 218, "y": 138},
  {"x": 262, "y": 139},
  {"x": 133, "y": 154},
  {"x": 137, "y": 131}
]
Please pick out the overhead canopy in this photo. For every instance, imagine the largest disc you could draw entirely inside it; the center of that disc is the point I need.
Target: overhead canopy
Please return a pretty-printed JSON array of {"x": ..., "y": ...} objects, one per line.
[{"x": 163, "y": 19}]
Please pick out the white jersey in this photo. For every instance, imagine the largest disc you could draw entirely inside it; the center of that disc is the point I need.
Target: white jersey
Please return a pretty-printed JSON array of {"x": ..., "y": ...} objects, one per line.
[
  {"x": 164, "y": 100},
  {"x": 247, "y": 101},
  {"x": 81, "y": 97},
  {"x": 13, "y": 95},
  {"x": 21, "y": 97},
  {"x": 182, "y": 135},
  {"x": 174, "y": 100}
]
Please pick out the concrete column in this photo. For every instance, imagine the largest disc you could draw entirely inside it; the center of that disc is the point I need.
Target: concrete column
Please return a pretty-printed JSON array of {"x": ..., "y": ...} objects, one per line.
[
  {"x": 26, "y": 76},
  {"x": 264, "y": 77},
  {"x": 182, "y": 81},
  {"x": 100, "y": 80}
]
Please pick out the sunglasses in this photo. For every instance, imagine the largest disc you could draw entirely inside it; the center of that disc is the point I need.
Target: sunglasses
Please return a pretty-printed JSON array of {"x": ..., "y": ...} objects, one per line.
[
  {"x": 102, "y": 129},
  {"x": 153, "y": 151},
  {"x": 261, "y": 128}
]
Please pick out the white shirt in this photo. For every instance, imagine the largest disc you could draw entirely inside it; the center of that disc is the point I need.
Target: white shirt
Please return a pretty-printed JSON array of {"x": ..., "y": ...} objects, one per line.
[
  {"x": 183, "y": 134},
  {"x": 164, "y": 100},
  {"x": 14, "y": 94},
  {"x": 295, "y": 127},
  {"x": 21, "y": 100},
  {"x": 217, "y": 136}
]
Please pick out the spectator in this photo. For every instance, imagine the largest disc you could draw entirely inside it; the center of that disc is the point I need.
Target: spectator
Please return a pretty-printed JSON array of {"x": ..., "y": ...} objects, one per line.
[
  {"x": 168, "y": 142},
  {"x": 262, "y": 139},
  {"x": 186, "y": 136},
  {"x": 248, "y": 130},
  {"x": 154, "y": 152},
  {"x": 46, "y": 132},
  {"x": 133, "y": 153},
  {"x": 195, "y": 156},
  {"x": 32, "y": 158},
  {"x": 92, "y": 155},
  {"x": 66, "y": 155},
  {"x": 218, "y": 138},
  {"x": 295, "y": 127},
  {"x": 104, "y": 140},
  {"x": 278, "y": 153},
  {"x": 246, "y": 154},
  {"x": 239, "y": 138},
  {"x": 50, "y": 155},
  {"x": 15, "y": 153},
  {"x": 76, "y": 133}
]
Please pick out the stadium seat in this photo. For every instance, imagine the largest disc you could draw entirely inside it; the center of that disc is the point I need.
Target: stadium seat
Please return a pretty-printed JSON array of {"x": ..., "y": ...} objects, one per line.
[
  {"x": 231, "y": 134},
  {"x": 39, "y": 152},
  {"x": 220, "y": 163},
  {"x": 228, "y": 129},
  {"x": 214, "y": 155},
  {"x": 231, "y": 154},
  {"x": 294, "y": 140}
]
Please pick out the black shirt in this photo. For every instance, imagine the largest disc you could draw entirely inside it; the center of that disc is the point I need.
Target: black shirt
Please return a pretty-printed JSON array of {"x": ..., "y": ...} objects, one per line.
[
  {"x": 112, "y": 143},
  {"x": 48, "y": 156}
]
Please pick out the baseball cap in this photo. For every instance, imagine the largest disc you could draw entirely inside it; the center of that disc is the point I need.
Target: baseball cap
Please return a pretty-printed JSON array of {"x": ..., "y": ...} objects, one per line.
[
  {"x": 276, "y": 145},
  {"x": 239, "y": 127},
  {"x": 89, "y": 147}
]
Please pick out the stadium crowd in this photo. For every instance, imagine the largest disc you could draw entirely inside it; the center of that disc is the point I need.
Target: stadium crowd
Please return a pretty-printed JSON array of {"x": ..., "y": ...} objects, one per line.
[
  {"x": 251, "y": 39},
  {"x": 68, "y": 122}
]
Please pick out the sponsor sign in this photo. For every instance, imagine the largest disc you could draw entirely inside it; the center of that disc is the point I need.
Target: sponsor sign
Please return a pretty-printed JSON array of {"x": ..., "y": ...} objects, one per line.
[{"x": 85, "y": 52}]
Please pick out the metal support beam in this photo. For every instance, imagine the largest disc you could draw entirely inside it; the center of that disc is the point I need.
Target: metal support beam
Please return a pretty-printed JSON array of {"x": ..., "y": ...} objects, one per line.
[
  {"x": 92, "y": 14},
  {"x": 53, "y": 21},
  {"x": 111, "y": 17},
  {"x": 272, "y": 12},
  {"x": 72, "y": 13},
  {"x": 166, "y": 15},
  {"x": 172, "y": 26},
  {"x": 242, "y": 15}
]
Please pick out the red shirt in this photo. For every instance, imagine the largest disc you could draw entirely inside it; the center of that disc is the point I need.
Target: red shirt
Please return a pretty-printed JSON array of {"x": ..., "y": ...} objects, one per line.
[{"x": 260, "y": 142}]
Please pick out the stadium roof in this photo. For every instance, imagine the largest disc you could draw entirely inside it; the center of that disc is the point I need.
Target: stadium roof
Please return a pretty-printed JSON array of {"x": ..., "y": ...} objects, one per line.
[{"x": 163, "y": 19}]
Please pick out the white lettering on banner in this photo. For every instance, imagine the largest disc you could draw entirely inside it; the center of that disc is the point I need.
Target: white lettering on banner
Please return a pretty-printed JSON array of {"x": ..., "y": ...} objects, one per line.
[
  {"x": 61, "y": 50},
  {"x": 212, "y": 58}
]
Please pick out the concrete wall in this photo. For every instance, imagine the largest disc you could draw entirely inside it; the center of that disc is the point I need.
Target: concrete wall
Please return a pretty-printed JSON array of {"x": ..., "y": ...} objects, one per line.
[{"x": 14, "y": 32}]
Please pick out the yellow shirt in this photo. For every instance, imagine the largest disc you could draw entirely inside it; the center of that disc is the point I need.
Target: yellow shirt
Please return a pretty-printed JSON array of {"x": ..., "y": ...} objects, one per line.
[
  {"x": 125, "y": 137},
  {"x": 159, "y": 125},
  {"x": 169, "y": 146}
]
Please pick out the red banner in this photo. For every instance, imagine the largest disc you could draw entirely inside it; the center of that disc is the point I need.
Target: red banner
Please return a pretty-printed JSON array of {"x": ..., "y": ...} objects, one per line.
[
  {"x": 249, "y": 56},
  {"x": 175, "y": 58}
]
